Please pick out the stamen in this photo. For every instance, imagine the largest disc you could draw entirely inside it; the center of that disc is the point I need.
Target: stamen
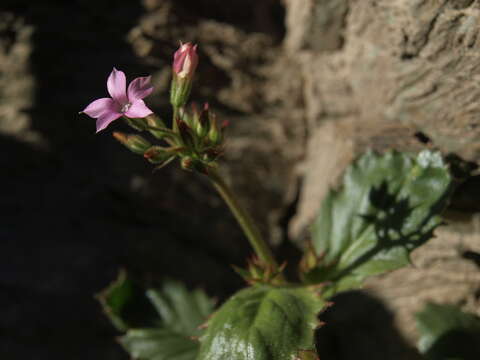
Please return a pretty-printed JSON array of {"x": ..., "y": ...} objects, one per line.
[{"x": 125, "y": 107}]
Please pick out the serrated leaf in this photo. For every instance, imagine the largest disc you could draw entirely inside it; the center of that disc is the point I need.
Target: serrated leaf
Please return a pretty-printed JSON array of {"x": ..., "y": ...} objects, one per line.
[
  {"x": 446, "y": 332},
  {"x": 181, "y": 311},
  {"x": 171, "y": 333},
  {"x": 388, "y": 205},
  {"x": 263, "y": 323},
  {"x": 159, "y": 344}
]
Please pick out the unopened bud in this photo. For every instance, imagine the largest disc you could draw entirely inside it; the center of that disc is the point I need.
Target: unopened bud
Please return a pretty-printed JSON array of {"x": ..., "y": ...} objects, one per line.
[
  {"x": 202, "y": 125},
  {"x": 134, "y": 143},
  {"x": 214, "y": 134},
  {"x": 156, "y": 154},
  {"x": 185, "y": 62},
  {"x": 199, "y": 120},
  {"x": 187, "y": 163},
  {"x": 154, "y": 122},
  {"x": 310, "y": 260}
]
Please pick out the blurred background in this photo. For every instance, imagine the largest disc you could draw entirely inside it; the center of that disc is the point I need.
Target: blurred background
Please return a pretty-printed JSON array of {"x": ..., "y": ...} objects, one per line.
[{"x": 305, "y": 85}]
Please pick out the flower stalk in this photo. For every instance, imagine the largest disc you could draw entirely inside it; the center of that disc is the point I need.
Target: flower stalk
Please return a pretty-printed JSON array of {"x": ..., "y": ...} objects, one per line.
[{"x": 245, "y": 221}]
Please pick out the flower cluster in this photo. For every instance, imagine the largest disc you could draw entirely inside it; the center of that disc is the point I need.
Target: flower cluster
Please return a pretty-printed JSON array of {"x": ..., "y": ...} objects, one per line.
[{"x": 195, "y": 136}]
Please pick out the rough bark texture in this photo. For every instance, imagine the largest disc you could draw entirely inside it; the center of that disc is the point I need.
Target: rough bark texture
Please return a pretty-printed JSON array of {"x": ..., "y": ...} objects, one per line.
[
  {"x": 307, "y": 85},
  {"x": 392, "y": 74}
]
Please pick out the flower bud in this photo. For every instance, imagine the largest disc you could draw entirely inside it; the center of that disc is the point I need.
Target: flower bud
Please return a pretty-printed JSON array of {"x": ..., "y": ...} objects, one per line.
[
  {"x": 156, "y": 154},
  {"x": 185, "y": 62},
  {"x": 134, "y": 143},
  {"x": 153, "y": 121},
  {"x": 200, "y": 120},
  {"x": 214, "y": 134},
  {"x": 187, "y": 163},
  {"x": 190, "y": 164},
  {"x": 202, "y": 126}
]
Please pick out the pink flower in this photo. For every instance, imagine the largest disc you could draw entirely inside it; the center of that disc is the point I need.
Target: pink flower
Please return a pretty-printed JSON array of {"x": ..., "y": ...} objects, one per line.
[
  {"x": 185, "y": 60},
  {"x": 123, "y": 102}
]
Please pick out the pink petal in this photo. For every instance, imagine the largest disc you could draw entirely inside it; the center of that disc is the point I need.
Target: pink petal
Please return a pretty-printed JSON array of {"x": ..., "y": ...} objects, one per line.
[
  {"x": 179, "y": 59},
  {"x": 99, "y": 107},
  {"x": 138, "y": 110},
  {"x": 117, "y": 86},
  {"x": 139, "y": 88},
  {"x": 107, "y": 118},
  {"x": 185, "y": 60}
]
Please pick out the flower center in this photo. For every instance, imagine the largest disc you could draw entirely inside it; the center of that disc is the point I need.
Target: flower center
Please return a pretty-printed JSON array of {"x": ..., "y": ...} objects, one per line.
[{"x": 125, "y": 107}]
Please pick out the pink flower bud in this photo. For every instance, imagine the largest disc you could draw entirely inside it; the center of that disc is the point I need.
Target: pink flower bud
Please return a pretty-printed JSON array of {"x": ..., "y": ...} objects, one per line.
[{"x": 185, "y": 61}]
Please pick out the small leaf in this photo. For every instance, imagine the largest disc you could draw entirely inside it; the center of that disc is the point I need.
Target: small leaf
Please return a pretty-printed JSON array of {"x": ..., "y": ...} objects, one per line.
[
  {"x": 125, "y": 304},
  {"x": 263, "y": 323},
  {"x": 388, "y": 205},
  {"x": 181, "y": 311},
  {"x": 171, "y": 334},
  {"x": 159, "y": 344},
  {"x": 446, "y": 332}
]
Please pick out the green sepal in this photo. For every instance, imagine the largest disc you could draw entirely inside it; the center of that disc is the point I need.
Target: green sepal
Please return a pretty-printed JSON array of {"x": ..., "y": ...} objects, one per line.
[
  {"x": 389, "y": 205},
  {"x": 134, "y": 143},
  {"x": 137, "y": 124},
  {"x": 263, "y": 323},
  {"x": 158, "y": 154},
  {"x": 446, "y": 332},
  {"x": 180, "y": 91},
  {"x": 165, "y": 163},
  {"x": 156, "y": 126},
  {"x": 259, "y": 272}
]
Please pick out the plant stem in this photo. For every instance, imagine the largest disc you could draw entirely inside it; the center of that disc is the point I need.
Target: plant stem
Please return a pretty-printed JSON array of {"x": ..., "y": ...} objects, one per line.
[{"x": 244, "y": 220}]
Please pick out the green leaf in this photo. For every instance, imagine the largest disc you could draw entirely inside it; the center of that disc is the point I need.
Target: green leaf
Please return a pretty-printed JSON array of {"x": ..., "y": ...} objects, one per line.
[
  {"x": 388, "y": 205},
  {"x": 446, "y": 332},
  {"x": 263, "y": 323},
  {"x": 175, "y": 328},
  {"x": 126, "y": 305},
  {"x": 180, "y": 310},
  {"x": 159, "y": 344}
]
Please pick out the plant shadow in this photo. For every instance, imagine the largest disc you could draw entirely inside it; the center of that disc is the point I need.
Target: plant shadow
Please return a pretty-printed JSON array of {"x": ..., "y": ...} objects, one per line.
[
  {"x": 360, "y": 327},
  {"x": 390, "y": 217}
]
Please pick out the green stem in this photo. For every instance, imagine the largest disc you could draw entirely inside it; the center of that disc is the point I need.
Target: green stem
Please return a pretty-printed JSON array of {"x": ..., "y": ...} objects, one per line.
[{"x": 244, "y": 220}]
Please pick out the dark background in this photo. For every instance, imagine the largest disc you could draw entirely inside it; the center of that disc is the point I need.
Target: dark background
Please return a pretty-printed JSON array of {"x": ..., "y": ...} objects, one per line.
[{"x": 76, "y": 207}]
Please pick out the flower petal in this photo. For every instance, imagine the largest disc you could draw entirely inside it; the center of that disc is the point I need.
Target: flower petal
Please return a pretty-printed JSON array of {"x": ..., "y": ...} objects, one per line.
[
  {"x": 117, "y": 86},
  {"x": 179, "y": 58},
  {"x": 139, "y": 88},
  {"x": 99, "y": 107},
  {"x": 138, "y": 110},
  {"x": 185, "y": 60},
  {"x": 106, "y": 118}
]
